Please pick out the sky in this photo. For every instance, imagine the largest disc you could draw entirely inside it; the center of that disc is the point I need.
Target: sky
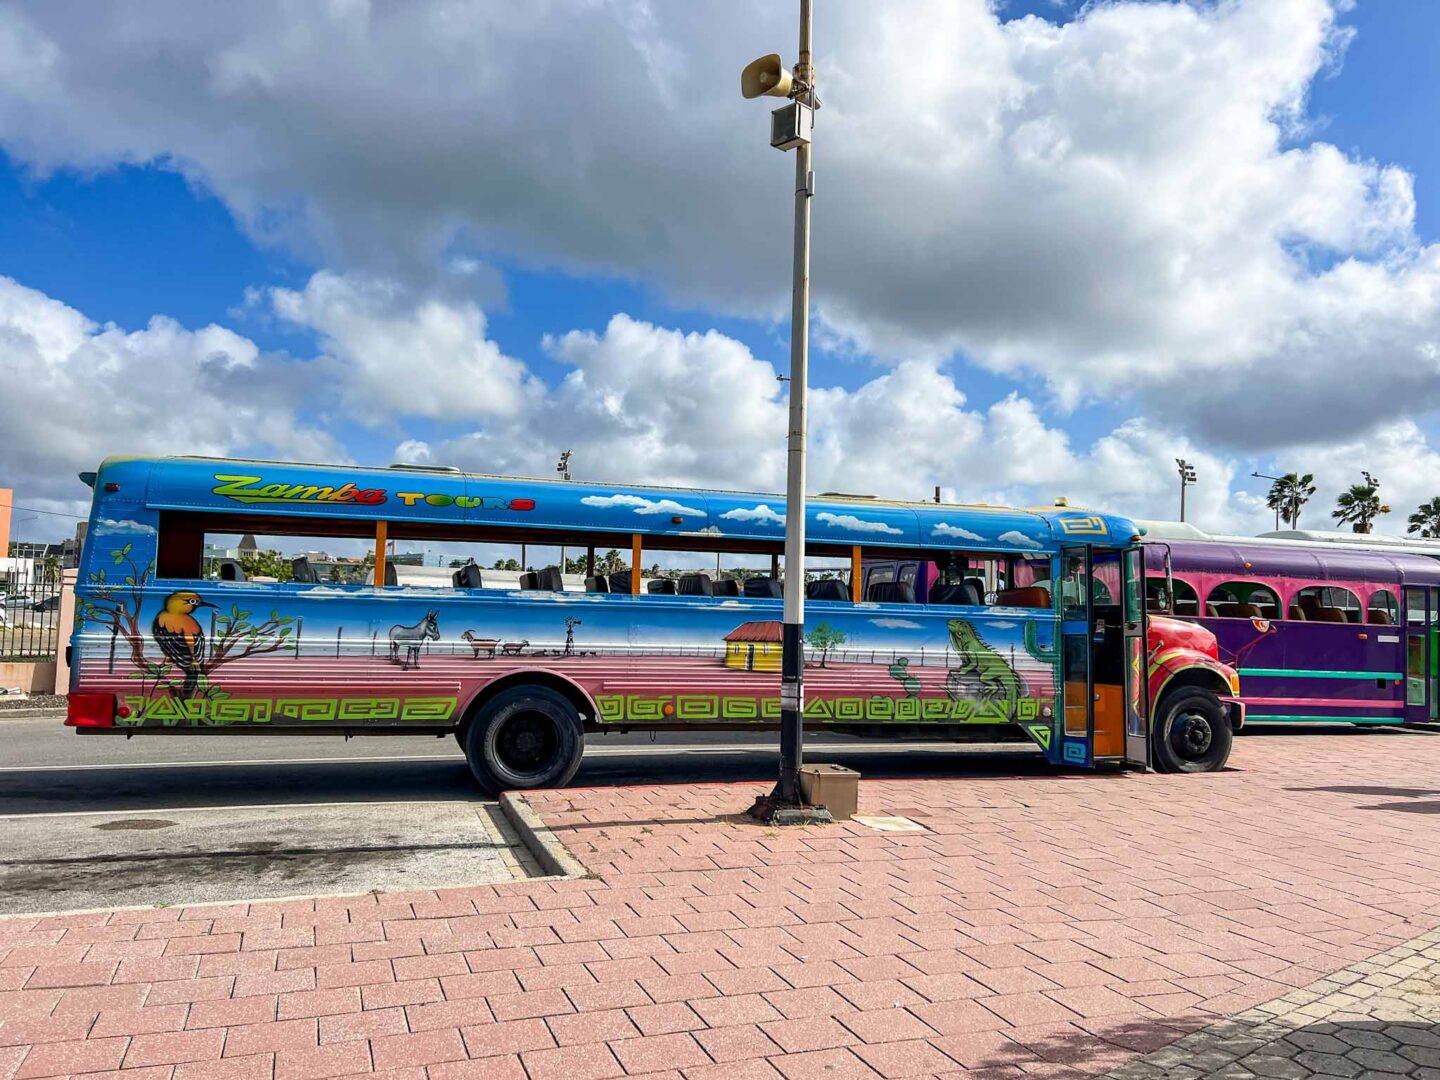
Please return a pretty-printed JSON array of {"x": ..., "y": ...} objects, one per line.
[{"x": 1056, "y": 245}]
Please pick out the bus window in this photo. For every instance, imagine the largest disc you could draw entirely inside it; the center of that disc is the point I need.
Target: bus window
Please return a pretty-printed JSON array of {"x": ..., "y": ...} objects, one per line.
[
  {"x": 1328, "y": 603},
  {"x": 1384, "y": 609},
  {"x": 1242, "y": 600}
]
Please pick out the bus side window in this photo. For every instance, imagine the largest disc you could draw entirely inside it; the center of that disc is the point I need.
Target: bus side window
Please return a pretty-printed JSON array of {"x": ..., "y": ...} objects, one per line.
[
  {"x": 1384, "y": 608},
  {"x": 1328, "y": 603}
]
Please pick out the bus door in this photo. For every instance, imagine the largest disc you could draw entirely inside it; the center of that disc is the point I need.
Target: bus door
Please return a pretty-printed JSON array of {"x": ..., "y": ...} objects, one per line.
[
  {"x": 1076, "y": 675},
  {"x": 1102, "y": 606},
  {"x": 1137, "y": 656},
  {"x": 1422, "y": 672}
]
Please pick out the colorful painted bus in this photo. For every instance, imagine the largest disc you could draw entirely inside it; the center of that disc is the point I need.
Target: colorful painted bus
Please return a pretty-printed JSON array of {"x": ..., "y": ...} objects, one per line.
[
  {"x": 521, "y": 675},
  {"x": 1319, "y": 633}
]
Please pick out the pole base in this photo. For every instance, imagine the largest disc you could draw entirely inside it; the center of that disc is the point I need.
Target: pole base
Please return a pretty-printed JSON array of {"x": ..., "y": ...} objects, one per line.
[{"x": 772, "y": 810}]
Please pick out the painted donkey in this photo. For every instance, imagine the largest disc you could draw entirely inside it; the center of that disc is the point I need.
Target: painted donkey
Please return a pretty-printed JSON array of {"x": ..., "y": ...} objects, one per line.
[{"x": 427, "y": 629}]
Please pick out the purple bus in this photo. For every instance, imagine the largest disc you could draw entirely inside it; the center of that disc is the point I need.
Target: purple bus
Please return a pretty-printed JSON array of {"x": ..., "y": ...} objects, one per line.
[{"x": 1318, "y": 634}]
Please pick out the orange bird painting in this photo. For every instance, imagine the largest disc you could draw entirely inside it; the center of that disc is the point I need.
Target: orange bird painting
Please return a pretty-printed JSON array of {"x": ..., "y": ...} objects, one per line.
[{"x": 180, "y": 637}]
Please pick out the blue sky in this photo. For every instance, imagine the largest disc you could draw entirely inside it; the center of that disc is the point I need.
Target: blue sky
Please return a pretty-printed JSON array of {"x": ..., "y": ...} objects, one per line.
[{"x": 106, "y": 224}]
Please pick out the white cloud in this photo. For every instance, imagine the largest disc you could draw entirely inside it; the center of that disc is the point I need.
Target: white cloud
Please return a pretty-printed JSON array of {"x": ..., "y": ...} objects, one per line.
[
  {"x": 855, "y": 524},
  {"x": 758, "y": 512},
  {"x": 641, "y": 506},
  {"x": 413, "y": 452},
  {"x": 946, "y": 529},
  {"x": 390, "y": 354},
  {"x": 76, "y": 392},
  {"x": 1109, "y": 204}
]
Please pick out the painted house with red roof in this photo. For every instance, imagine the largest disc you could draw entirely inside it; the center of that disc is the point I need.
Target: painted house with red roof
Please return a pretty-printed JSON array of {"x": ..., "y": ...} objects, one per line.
[{"x": 754, "y": 646}]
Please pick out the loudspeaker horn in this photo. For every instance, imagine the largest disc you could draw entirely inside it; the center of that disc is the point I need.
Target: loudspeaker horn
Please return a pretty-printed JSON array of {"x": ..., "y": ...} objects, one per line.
[{"x": 765, "y": 77}]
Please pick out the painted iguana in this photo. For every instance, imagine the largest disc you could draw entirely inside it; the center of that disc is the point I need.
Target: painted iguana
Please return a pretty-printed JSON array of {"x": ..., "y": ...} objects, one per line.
[{"x": 980, "y": 672}]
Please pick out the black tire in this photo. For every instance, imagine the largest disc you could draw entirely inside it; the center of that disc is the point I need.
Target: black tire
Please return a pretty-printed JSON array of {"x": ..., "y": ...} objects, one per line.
[
  {"x": 526, "y": 737},
  {"x": 1191, "y": 734}
]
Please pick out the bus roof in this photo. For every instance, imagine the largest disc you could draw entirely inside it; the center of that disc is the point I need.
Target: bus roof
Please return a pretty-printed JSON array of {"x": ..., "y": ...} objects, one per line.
[
  {"x": 439, "y": 496},
  {"x": 1351, "y": 541},
  {"x": 1243, "y": 558}
]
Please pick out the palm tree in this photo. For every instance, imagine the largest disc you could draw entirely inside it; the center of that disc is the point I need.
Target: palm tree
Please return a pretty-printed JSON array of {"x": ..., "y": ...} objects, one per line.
[
  {"x": 1426, "y": 520},
  {"x": 1361, "y": 505},
  {"x": 1288, "y": 494}
]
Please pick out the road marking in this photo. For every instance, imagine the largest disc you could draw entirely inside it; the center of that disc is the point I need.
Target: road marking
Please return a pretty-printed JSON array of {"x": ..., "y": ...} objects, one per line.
[{"x": 889, "y": 747}]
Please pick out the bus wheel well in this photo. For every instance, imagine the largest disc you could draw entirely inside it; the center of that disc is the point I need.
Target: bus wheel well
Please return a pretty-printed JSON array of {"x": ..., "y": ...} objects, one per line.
[
  {"x": 577, "y": 697},
  {"x": 1198, "y": 678}
]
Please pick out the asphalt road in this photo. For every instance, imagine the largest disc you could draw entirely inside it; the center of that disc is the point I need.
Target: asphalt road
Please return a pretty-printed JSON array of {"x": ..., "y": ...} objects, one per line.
[{"x": 99, "y": 820}]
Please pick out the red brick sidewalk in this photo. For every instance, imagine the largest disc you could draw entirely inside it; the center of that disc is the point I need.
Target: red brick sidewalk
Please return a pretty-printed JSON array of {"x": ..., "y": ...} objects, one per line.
[{"x": 1042, "y": 926}]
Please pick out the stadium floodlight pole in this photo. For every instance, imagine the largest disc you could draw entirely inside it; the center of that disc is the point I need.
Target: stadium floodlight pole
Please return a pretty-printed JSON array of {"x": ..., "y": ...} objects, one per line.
[
  {"x": 790, "y": 129},
  {"x": 1187, "y": 476}
]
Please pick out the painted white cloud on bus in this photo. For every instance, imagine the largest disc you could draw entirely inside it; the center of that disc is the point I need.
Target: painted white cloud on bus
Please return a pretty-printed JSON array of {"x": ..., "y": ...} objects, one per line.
[
  {"x": 855, "y": 524},
  {"x": 760, "y": 512},
  {"x": 1017, "y": 538},
  {"x": 110, "y": 526},
  {"x": 946, "y": 529},
  {"x": 639, "y": 505},
  {"x": 897, "y": 624}
]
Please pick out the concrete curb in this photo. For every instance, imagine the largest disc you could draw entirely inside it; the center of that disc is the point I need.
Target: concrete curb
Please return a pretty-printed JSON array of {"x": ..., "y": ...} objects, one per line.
[
  {"x": 32, "y": 714},
  {"x": 553, "y": 856}
]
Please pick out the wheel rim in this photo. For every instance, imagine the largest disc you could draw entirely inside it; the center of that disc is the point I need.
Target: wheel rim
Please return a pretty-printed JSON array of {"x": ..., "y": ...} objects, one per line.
[
  {"x": 1191, "y": 735},
  {"x": 526, "y": 744}
]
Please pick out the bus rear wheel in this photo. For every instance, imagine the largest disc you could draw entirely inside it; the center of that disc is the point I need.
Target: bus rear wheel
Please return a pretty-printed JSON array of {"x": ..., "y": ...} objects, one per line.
[
  {"x": 1191, "y": 733},
  {"x": 526, "y": 737}
]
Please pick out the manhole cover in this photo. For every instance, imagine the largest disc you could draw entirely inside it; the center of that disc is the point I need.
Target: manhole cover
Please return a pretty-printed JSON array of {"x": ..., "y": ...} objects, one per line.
[{"x": 135, "y": 823}]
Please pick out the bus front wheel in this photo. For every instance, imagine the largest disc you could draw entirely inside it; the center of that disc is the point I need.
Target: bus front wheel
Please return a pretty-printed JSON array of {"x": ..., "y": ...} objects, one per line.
[
  {"x": 525, "y": 737},
  {"x": 1191, "y": 732}
]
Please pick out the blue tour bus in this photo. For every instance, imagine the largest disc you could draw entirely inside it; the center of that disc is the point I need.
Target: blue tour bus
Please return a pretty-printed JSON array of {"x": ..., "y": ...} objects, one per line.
[{"x": 172, "y": 638}]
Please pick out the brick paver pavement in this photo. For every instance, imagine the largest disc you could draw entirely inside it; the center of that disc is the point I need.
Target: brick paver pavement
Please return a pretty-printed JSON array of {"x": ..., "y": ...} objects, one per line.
[
  {"x": 1379, "y": 1019},
  {"x": 1050, "y": 925}
]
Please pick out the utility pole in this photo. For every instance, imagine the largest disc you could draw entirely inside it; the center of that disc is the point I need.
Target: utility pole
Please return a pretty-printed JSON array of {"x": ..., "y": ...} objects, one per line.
[
  {"x": 1187, "y": 476},
  {"x": 790, "y": 129}
]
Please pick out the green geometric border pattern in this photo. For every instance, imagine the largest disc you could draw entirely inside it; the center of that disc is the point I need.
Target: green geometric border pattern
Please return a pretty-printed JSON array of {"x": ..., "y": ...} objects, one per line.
[
  {"x": 622, "y": 708},
  {"x": 199, "y": 712}
]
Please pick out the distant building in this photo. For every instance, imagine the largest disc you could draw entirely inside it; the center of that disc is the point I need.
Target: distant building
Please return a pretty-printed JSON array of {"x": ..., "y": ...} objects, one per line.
[
  {"x": 71, "y": 549},
  {"x": 754, "y": 646}
]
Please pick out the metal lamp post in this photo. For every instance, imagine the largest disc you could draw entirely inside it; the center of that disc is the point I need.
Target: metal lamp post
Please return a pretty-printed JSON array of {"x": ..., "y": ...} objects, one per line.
[
  {"x": 1187, "y": 476},
  {"x": 790, "y": 129},
  {"x": 1267, "y": 476}
]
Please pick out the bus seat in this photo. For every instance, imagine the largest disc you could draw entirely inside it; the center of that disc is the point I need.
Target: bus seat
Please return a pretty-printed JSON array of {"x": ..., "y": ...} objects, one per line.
[
  {"x": 391, "y": 577},
  {"x": 303, "y": 572},
  {"x": 725, "y": 587},
  {"x": 1329, "y": 614},
  {"x": 597, "y": 584},
  {"x": 231, "y": 570},
  {"x": 1380, "y": 617},
  {"x": 662, "y": 586},
  {"x": 1296, "y": 614},
  {"x": 468, "y": 577},
  {"x": 892, "y": 592},
  {"x": 695, "y": 585},
  {"x": 978, "y": 584},
  {"x": 963, "y": 593},
  {"x": 530, "y": 580},
  {"x": 620, "y": 581},
  {"x": 827, "y": 589},
  {"x": 1035, "y": 596},
  {"x": 763, "y": 587},
  {"x": 550, "y": 579}
]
